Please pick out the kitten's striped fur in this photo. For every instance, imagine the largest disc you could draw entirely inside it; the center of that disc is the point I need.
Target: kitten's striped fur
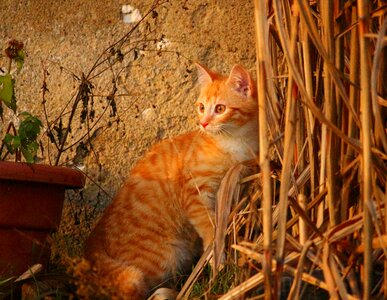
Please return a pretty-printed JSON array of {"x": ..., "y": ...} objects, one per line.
[{"x": 150, "y": 230}]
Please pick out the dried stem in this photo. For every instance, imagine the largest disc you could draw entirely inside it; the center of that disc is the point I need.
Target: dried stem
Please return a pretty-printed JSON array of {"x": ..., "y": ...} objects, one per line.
[
  {"x": 288, "y": 154},
  {"x": 262, "y": 58},
  {"x": 366, "y": 139}
]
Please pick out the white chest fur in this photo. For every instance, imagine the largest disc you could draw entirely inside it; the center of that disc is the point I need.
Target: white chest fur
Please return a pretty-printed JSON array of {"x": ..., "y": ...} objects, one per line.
[
  {"x": 242, "y": 144},
  {"x": 241, "y": 148}
]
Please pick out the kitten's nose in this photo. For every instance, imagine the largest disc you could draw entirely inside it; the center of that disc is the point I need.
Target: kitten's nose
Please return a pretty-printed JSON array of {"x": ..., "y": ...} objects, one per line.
[{"x": 204, "y": 124}]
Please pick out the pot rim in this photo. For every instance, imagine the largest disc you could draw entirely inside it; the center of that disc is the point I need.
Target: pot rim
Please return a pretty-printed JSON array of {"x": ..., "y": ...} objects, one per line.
[{"x": 19, "y": 171}]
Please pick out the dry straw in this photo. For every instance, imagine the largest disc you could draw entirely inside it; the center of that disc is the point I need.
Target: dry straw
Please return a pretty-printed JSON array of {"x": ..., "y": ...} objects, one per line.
[{"x": 311, "y": 220}]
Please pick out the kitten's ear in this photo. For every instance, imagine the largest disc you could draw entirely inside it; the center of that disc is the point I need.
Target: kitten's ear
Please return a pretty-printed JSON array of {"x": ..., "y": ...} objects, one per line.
[
  {"x": 240, "y": 80},
  {"x": 205, "y": 76}
]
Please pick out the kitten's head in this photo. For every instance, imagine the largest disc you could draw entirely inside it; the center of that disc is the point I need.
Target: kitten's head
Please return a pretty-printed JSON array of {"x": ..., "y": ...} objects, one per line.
[{"x": 226, "y": 104}]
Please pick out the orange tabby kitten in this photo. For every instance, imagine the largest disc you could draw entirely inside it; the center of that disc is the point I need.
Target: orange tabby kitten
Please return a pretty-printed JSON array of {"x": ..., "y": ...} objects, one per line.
[{"x": 150, "y": 230}]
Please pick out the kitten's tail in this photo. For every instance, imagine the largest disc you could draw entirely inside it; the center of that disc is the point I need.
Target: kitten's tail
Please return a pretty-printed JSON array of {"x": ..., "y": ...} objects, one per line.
[
  {"x": 129, "y": 282},
  {"x": 119, "y": 279}
]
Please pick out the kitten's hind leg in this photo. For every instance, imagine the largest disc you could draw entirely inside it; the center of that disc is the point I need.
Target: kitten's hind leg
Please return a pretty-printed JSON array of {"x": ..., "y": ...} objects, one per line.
[{"x": 163, "y": 294}]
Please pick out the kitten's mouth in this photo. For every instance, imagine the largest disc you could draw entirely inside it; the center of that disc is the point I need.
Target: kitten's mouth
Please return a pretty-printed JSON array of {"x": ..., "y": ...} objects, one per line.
[{"x": 214, "y": 130}]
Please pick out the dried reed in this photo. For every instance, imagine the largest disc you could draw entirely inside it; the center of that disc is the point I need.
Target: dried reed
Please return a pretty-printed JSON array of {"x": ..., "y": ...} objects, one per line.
[{"x": 316, "y": 217}]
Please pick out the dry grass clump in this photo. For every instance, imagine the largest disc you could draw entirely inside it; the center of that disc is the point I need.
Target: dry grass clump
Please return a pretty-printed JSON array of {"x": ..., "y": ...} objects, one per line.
[{"x": 315, "y": 226}]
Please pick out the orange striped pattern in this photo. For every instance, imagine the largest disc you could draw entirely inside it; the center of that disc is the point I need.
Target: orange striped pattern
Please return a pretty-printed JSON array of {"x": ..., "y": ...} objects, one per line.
[{"x": 150, "y": 230}]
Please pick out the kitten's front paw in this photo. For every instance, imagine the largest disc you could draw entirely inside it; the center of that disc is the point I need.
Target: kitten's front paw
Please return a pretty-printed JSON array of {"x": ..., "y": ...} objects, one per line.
[{"x": 163, "y": 294}]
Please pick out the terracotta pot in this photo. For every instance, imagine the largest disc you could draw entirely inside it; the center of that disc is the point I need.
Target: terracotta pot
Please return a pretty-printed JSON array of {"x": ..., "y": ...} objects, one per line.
[{"x": 31, "y": 202}]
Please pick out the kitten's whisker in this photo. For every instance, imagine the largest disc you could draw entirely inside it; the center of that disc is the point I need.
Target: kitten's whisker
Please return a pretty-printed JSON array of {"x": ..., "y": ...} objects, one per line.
[{"x": 224, "y": 131}]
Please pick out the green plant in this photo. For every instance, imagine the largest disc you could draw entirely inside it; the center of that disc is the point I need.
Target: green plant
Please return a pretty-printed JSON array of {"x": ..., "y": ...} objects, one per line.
[{"x": 20, "y": 140}]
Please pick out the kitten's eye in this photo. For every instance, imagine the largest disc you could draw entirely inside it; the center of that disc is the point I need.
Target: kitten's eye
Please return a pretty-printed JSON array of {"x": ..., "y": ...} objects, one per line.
[
  {"x": 220, "y": 108},
  {"x": 201, "y": 107}
]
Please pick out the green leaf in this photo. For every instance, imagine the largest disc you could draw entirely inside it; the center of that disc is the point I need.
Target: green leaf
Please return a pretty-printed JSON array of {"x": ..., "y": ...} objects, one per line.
[
  {"x": 29, "y": 128},
  {"x": 7, "y": 93},
  {"x": 19, "y": 59},
  {"x": 26, "y": 138},
  {"x": 29, "y": 151},
  {"x": 12, "y": 142}
]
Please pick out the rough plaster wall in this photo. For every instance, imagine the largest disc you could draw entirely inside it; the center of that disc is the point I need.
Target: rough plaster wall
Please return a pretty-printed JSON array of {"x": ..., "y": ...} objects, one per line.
[{"x": 72, "y": 34}]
